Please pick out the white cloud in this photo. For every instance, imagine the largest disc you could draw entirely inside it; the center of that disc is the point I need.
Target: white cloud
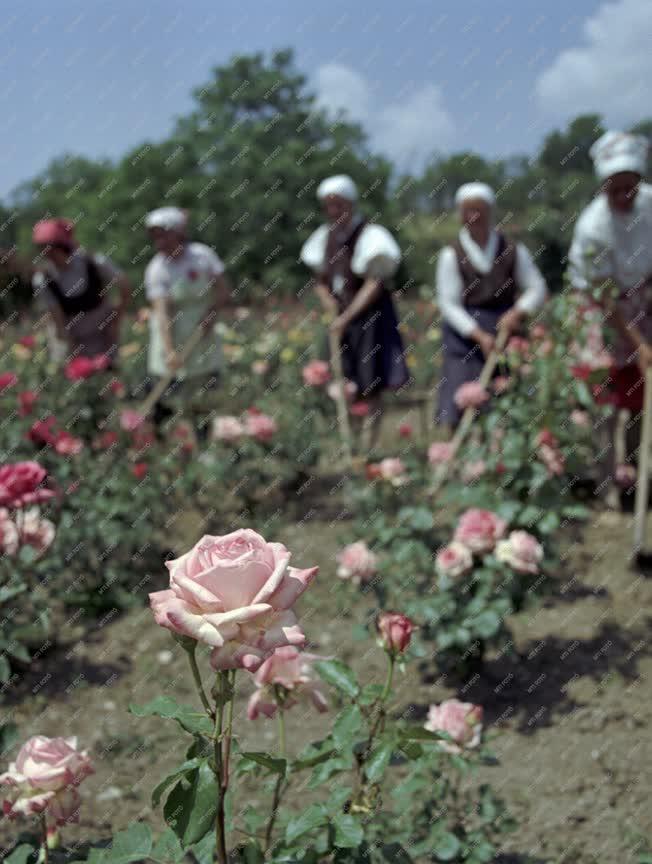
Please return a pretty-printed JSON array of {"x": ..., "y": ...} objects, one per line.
[
  {"x": 610, "y": 72},
  {"x": 408, "y": 130}
]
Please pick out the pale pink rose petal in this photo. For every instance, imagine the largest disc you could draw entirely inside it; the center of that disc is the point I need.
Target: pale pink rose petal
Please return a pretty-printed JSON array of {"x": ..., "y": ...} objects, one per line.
[
  {"x": 258, "y": 705},
  {"x": 294, "y": 583}
]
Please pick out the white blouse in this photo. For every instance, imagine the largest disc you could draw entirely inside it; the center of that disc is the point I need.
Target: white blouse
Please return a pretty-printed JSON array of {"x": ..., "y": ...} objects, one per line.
[
  {"x": 450, "y": 286},
  {"x": 376, "y": 253},
  {"x": 613, "y": 245}
]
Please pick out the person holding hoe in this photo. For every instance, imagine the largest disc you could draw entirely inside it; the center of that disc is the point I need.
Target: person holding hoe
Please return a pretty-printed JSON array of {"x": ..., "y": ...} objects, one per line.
[
  {"x": 485, "y": 283},
  {"x": 186, "y": 287},
  {"x": 76, "y": 287},
  {"x": 611, "y": 258},
  {"x": 353, "y": 260}
]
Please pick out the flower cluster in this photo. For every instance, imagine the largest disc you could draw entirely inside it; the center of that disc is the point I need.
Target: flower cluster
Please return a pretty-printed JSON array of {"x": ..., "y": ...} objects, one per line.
[{"x": 253, "y": 424}]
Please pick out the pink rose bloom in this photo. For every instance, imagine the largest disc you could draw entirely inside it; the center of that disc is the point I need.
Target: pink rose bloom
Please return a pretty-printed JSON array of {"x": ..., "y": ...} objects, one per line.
[
  {"x": 118, "y": 388},
  {"x": 44, "y": 778},
  {"x": 392, "y": 469},
  {"x": 501, "y": 383},
  {"x": 26, "y": 400},
  {"x": 521, "y": 551},
  {"x": 580, "y": 418},
  {"x": 131, "y": 420},
  {"x": 67, "y": 445},
  {"x": 440, "y": 451},
  {"x": 35, "y": 531},
  {"x": 552, "y": 459},
  {"x": 227, "y": 428},
  {"x": 395, "y": 631},
  {"x": 461, "y": 720},
  {"x": 42, "y": 431},
  {"x": 350, "y": 389},
  {"x": 20, "y": 484},
  {"x": 479, "y": 530},
  {"x": 472, "y": 471},
  {"x": 360, "y": 409},
  {"x": 234, "y": 593},
  {"x": 83, "y": 367},
  {"x": 405, "y": 430},
  {"x": 357, "y": 562},
  {"x": 259, "y": 367},
  {"x": 454, "y": 560},
  {"x": 538, "y": 331},
  {"x": 262, "y": 427},
  {"x": 471, "y": 394},
  {"x": 290, "y": 669},
  {"x": 316, "y": 373},
  {"x": 625, "y": 475},
  {"x": 7, "y": 380},
  {"x": 518, "y": 345},
  {"x": 8, "y": 534}
]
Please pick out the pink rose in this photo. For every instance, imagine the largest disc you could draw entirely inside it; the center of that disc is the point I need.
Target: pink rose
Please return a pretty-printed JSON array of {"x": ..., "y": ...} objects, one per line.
[
  {"x": 471, "y": 394},
  {"x": 350, "y": 389},
  {"x": 392, "y": 469},
  {"x": 83, "y": 367},
  {"x": 260, "y": 426},
  {"x": 405, "y": 430},
  {"x": 454, "y": 560},
  {"x": 360, "y": 409},
  {"x": 289, "y": 669},
  {"x": 552, "y": 459},
  {"x": 42, "y": 431},
  {"x": 316, "y": 373},
  {"x": 501, "y": 383},
  {"x": 472, "y": 471},
  {"x": 395, "y": 631},
  {"x": 67, "y": 445},
  {"x": 580, "y": 418},
  {"x": 34, "y": 531},
  {"x": 234, "y": 593},
  {"x": 26, "y": 400},
  {"x": 259, "y": 367},
  {"x": 518, "y": 345},
  {"x": 20, "y": 484},
  {"x": 461, "y": 720},
  {"x": 538, "y": 331},
  {"x": 7, "y": 380},
  {"x": 8, "y": 534},
  {"x": 439, "y": 452},
  {"x": 357, "y": 562},
  {"x": 227, "y": 429},
  {"x": 44, "y": 777},
  {"x": 625, "y": 475},
  {"x": 521, "y": 551},
  {"x": 131, "y": 420},
  {"x": 479, "y": 530}
]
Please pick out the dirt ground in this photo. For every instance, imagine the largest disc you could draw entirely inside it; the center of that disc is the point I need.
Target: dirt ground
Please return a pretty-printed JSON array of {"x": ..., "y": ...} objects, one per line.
[{"x": 568, "y": 715}]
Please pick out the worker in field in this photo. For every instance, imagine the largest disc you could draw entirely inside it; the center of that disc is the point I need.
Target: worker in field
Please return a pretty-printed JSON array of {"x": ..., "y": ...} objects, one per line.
[
  {"x": 353, "y": 261},
  {"x": 611, "y": 261},
  {"x": 186, "y": 286},
  {"x": 484, "y": 282},
  {"x": 78, "y": 289}
]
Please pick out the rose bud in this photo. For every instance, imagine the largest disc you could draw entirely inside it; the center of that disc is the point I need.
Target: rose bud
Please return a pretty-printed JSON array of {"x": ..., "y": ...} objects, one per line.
[{"x": 395, "y": 631}]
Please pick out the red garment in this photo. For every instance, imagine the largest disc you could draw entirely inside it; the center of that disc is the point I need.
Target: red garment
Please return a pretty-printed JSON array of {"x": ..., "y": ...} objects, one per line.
[{"x": 628, "y": 387}]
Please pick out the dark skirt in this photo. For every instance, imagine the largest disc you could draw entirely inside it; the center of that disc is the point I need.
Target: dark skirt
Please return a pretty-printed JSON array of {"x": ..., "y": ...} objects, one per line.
[
  {"x": 463, "y": 361},
  {"x": 372, "y": 350}
]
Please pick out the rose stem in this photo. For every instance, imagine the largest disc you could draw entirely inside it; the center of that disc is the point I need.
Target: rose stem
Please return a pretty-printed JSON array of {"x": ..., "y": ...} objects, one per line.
[
  {"x": 217, "y": 743},
  {"x": 280, "y": 716},
  {"x": 198, "y": 682}
]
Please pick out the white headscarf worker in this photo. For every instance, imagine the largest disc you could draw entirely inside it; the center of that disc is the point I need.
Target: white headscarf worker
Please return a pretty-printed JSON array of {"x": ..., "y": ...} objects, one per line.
[
  {"x": 613, "y": 240},
  {"x": 483, "y": 281},
  {"x": 353, "y": 261},
  {"x": 186, "y": 286}
]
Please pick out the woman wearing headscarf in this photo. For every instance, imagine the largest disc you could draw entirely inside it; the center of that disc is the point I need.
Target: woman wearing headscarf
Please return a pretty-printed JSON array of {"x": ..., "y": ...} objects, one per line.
[
  {"x": 353, "y": 261},
  {"x": 611, "y": 258},
  {"x": 187, "y": 289},
  {"x": 484, "y": 282},
  {"x": 76, "y": 287}
]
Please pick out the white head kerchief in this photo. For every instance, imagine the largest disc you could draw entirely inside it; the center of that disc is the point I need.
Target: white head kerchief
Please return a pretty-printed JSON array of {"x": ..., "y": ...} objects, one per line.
[
  {"x": 615, "y": 151},
  {"x": 471, "y": 191},
  {"x": 169, "y": 218},
  {"x": 339, "y": 184}
]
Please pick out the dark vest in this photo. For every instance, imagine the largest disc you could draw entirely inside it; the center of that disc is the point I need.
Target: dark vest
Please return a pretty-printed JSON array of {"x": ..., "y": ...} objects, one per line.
[
  {"x": 342, "y": 282},
  {"x": 89, "y": 299},
  {"x": 494, "y": 289}
]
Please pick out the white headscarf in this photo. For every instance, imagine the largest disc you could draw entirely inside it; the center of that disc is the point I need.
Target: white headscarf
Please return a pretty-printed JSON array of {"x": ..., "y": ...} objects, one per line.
[
  {"x": 339, "y": 184},
  {"x": 169, "y": 218},
  {"x": 615, "y": 151},
  {"x": 471, "y": 191}
]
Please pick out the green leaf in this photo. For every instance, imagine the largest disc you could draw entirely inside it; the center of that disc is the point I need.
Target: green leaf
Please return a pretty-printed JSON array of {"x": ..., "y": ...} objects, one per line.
[
  {"x": 132, "y": 844},
  {"x": 348, "y": 831},
  {"x": 204, "y": 851},
  {"x": 311, "y": 758},
  {"x": 5, "y": 668},
  {"x": 339, "y": 675},
  {"x": 276, "y": 766},
  {"x": 176, "y": 775},
  {"x": 19, "y": 652},
  {"x": 191, "y": 806},
  {"x": 446, "y": 847},
  {"x": 549, "y": 523},
  {"x": 486, "y": 624},
  {"x": 167, "y": 847},
  {"x": 394, "y": 853},
  {"x": 252, "y": 853},
  {"x": 21, "y": 854},
  {"x": 189, "y": 718},
  {"x": 370, "y": 694},
  {"x": 346, "y": 726},
  {"x": 326, "y": 770},
  {"x": 9, "y": 735},
  {"x": 418, "y": 733},
  {"x": 313, "y": 817},
  {"x": 378, "y": 761}
]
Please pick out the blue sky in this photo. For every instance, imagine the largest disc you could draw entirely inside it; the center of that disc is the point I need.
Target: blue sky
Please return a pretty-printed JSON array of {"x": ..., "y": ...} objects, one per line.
[{"x": 423, "y": 76}]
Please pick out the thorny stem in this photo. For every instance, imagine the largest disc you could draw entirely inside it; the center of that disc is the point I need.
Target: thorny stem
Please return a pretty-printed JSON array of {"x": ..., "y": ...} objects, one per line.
[
  {"x": 219, "y": 770},
  {"x": 44, "y": 852},
  {"x": 278, "y": 789},
  {"x": 229, "y": 727},
  {"x": 198, "y": 683}
]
